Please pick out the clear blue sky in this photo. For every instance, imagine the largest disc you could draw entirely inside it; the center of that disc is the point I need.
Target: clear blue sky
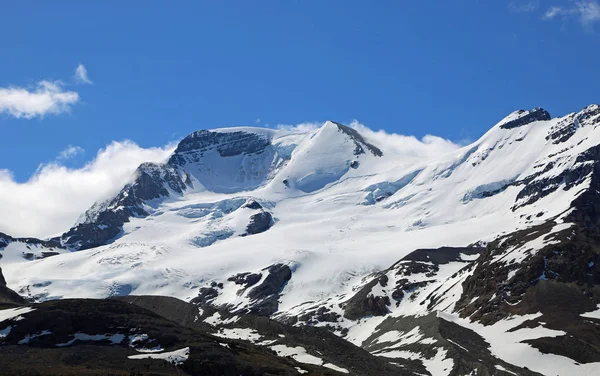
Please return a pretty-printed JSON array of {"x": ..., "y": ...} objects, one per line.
[{"x": 163, "y": 69}]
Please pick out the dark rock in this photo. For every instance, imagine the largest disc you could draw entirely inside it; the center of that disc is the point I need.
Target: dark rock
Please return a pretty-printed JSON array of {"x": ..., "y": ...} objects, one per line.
[
  {"x": 526, "y": 117},
  {"x": 226, "y": 143},
  {"x": 205, "y": 295},
  {"x": 535, "y": 189},
  {"x": 442, "y": 255},
  {"x": 266, "y": 295},
  {"x": 8, "y": 298},
  {"x": 354, "y": 164},
  {"x": 245, "y": 279},
  {"x": 252, "y": 204},
  {"x": 359, "y": 141},
  {"x": 469, "y": 351},
  {"x": 153, "y": 179},
  {"x": 259, "y": 222},
  {"x": 321, "y": 314},
  {"x": 5, "y": 240},
  {"x": 364, "y": 303}
]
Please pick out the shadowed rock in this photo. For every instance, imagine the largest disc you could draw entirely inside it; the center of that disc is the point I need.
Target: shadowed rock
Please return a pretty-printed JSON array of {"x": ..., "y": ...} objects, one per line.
[{"x": 525, "y": 117}]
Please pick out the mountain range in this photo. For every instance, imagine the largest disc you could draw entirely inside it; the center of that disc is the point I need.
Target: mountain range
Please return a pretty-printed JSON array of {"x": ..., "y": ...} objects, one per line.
[{"x": 263, "y": 251}]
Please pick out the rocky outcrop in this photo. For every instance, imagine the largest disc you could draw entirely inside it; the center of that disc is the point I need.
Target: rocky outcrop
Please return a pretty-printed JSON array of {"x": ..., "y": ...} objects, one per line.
[
  {"x": 566, "y": 128},
  {"x": 104, "y": 222},
  {"x": 558, "y": 278},
  {"x": 438, "y": 256},
  {"x": 524, "y": 117},
  {"x": 245, "y": 279},
  {"x": 8, "y": 298},
  {"x": 260, "y": 292},
  {"x": 470, "y": 353},
  {"x": 363, "y": 303},
  {"x": 359, "y": 141},
  {"x": 227, "y": 144},
  {"x": 205, "y": 295},
  {"x": 265, "y": 296},
  {"x": 39, "y": 248},
  {"x": 259, "y": 222}
]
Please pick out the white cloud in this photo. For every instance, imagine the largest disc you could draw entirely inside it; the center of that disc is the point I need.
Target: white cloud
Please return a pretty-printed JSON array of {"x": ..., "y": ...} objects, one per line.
[
  {"x": 81, "y": 75},
  {"x": 55, "y": 196},
  {"x": 69, "y": 152},
  {"x": 48, "y": 97},
  {"x": 302, "y": 127},
  {"x": 523, "y": 6},
  {"x": 390, "y": 143},
  {"x": 586, "y": 11},
  {"x": 553, "y": 12},
  {"x": 402, "y": 145}
]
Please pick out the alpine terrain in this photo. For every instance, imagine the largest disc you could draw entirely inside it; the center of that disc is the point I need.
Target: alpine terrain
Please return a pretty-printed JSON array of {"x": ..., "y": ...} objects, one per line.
[{"x": 259, "y": 251}]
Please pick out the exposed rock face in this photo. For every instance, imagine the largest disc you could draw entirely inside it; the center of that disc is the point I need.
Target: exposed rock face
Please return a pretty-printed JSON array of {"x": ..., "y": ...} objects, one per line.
[
  {"x": 205, "y": 295},
  {"x": 5, "y": 240},
  {"x": 104, "y": 221},
  {"x": 467, "y": 349},
  {"x": 252, "y": 204},
  {"x": 46, "y": 247},
  {"x": 227, "y": 144},
  {"x": 8, "y": 297},
  {"x": 155, "y": 181},
  {"x": 537, "y": 187},
  {"x": 359, "y": 141},
  {"x": 364, "y": 303},
  {"x": 246, "y": 279},
  {"x": 567, "y": 127},
  {"x": 260, "y": 291},
  {"x": 523, "y": 117},
  {"x": 266, "y": 294},
  {"x": 558, "y": 278},
  {"x": 259, "y": 222},
  {"x": 439, "y": 256},
  {"x": 422, "y": 261}
]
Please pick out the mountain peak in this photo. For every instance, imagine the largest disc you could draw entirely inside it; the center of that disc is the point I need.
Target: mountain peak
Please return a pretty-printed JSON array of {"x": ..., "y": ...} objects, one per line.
[
  {"x": 520, "y": 118},
  {"x": 356, "y": 137}
]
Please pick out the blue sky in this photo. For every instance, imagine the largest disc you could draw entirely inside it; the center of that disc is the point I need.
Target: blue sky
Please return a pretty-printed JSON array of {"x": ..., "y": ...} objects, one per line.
[{"x": 159, "y": 71}]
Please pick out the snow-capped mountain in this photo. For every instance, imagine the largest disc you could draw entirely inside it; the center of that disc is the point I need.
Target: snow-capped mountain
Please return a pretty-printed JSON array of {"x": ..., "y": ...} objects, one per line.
[{"x": 484, "y": 260}]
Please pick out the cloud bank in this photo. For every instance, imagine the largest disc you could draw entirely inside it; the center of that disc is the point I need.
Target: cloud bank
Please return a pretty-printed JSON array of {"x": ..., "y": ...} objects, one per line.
[
  {"x": 400, "y": 145},
  {"x": 55, "y": 196},
  {"x": 391, "y": 143},
  {"x": 48, "y": 97}
]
